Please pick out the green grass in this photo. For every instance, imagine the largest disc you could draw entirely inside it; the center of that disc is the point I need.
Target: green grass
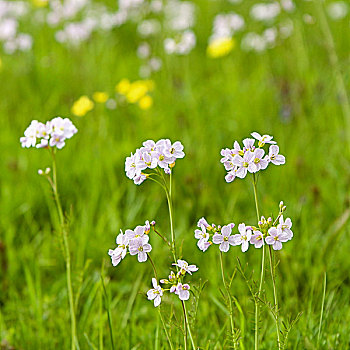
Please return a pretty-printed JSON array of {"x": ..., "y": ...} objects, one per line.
[{"x": 207, "y": 104}]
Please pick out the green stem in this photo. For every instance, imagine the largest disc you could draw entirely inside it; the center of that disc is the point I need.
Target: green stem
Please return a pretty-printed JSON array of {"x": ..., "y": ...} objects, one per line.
[
  {"x": 185, "y": 323},
  {"x": 165, "y": 330},
  {"x": 228, "y": 296},
  {"x": 168, "y": 192},
  {"x": 160, "y": 314},
  {"x": 272, "y": 269},
  {"x": 154, "y": 267},
  {"x": 256, "y": 299},
  {"x": 64, "y": 234}
]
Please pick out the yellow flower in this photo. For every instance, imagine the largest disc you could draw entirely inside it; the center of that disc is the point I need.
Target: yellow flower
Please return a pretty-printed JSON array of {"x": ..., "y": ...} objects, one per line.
[
  {"x": 100, "y": 97},
  {"x": 220, "y": 47},
  {"x": 138, "y": 89},
  {"x": 146, "y": 102},
  {"x": 40, "y": 3},
  {"x": 82, "y": 106},
  {"x": 123, "y": 87}
]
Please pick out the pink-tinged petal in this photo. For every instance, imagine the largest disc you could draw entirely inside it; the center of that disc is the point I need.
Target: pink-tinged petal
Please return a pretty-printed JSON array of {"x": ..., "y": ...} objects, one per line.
[
  {"x": 173, "y": 289},
  {"x": 242, "y": 229},
  {"x": 248, "y": 143},
  {"x": 147, "y": 248},
  {"x": 256, "y": 135},
  {"x": 224, "y": 246},
  {"x": 139, "y": 230},
  {"x": 259, "y": 153},
  {"x": 263, "y": 164},
  {"x": 253, "y": 167},
  {"x": 249, "y": 235},
  {"x": 193, "y": 268},
  {"x": 198, "y": 234},
  {"x": 273, "y": 231},
  {"x": 144, "y": 239},
  {"x": 226, "y": 230},
  {"x": 237, "y": 239},
  {"x": 154, "y": 283},
  {"x": 279, "y": 160},
  {"x": 259, "y": 244},
  {"x": 217, "y": 238},
  {"x": 270, "y": 240},
  {"x": 241, "y": 172},
  {"x": 157, "y": 300},
  {"x": 151, "y": 295},
  {"x": 230, "y": 176},
  {"x": 130, "y": 234},
  {"x": 184, "y": 294},
  {"x": 203, "y": 222},
  {"x": 288, "y": 222},
  {"x": 273, "y": 150},
  {"x": 277, "y": 245},
  {"x": 245, "y": 246},
  {"x": 283, "y": 237},
  {"x": 142, "y": 257},
  {"x": 231, "y": 240},
  {"x": 237, "y": 160},
  {"x": 248, "y": 156}
]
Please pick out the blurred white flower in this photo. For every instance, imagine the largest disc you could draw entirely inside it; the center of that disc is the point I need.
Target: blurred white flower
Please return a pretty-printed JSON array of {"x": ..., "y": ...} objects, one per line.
[
  {"x": 253, "y": 42},
  {"x": 149, "y": 27},
  {"x": 182, "y": 46},
  {"x": 265, "y": 12},
  {"x": 337, "y": 10},
  {"x": 143, "y": 50},
  {"x": 226, "y": 25},
  {"x": 179, "y": 15},
  {"x": 8, "y": 28}
]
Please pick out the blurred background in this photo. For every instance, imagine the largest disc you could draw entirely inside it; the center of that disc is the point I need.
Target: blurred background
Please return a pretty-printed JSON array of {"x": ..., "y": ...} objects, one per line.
[{"x": 205, "y": 72}]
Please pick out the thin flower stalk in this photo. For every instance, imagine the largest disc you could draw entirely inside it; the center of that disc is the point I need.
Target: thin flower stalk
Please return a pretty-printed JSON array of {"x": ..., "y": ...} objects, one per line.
[
  {"x": 273, "y": 277},
  {"x": 64, "y": 234},
  {"x": 228, "y": 295},
  {"x": 256, "y": 300}
]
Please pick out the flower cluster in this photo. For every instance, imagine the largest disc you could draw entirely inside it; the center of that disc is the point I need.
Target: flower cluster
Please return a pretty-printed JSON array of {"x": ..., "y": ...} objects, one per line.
[
  {"x": 239, "y": 161},
  {"x": 174, "y": 281},
  {"x": 53, "y": 133},
  {"x": 151, "y": 155},
  {"x": 136, "y": 241},
  {"x": 271, "y": 232}
]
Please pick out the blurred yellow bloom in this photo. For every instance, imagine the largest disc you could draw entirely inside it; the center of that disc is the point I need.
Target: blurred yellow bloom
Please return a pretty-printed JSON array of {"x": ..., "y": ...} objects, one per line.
[
  {"x": 137, "y": 90},
  {"x": 82, "y": 106},
  {"x": 100, "y": 97},
  {"x": 123, "y": 86},
  {"x": 146, "y": 102},
  {"x": 40, "y": 3},
  {"x": 220, "y": 47}
]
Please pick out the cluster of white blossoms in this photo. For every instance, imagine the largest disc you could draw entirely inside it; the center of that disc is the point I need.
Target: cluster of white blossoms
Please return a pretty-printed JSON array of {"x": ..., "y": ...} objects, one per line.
[
  {"x": 152, "y": 155},
  {"x": 239, "y": 161},
  {"x": 52, "y": 134},
  {"x": 174, "y": 282},
  {"x": 271, "y": 232},
  {"x": 135, "y": 241}
]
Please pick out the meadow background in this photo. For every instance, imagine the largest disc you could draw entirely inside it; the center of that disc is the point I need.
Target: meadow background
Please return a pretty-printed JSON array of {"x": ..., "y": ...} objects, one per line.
[{"x": 294, "y": 88}]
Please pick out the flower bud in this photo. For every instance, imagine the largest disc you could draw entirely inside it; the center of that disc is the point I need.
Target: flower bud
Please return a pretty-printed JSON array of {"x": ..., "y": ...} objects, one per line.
[
  {"x": 281, "y": 204},
  {"x": 47, "y": 171},
  {"x": 284, "y": 208},
  {"x": 40, "y": 172},
  {"x": 153, "y": 223}
]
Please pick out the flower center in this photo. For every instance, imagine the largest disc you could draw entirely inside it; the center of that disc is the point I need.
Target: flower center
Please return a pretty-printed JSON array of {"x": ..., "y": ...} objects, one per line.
[
  {"x": 225, "y": 238},
  {"x": 140, "y": 249},
  {"x": 161, "y": 157},
  {"x": 245, "y": 164},
  {"x": 257, "y": 160}
]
